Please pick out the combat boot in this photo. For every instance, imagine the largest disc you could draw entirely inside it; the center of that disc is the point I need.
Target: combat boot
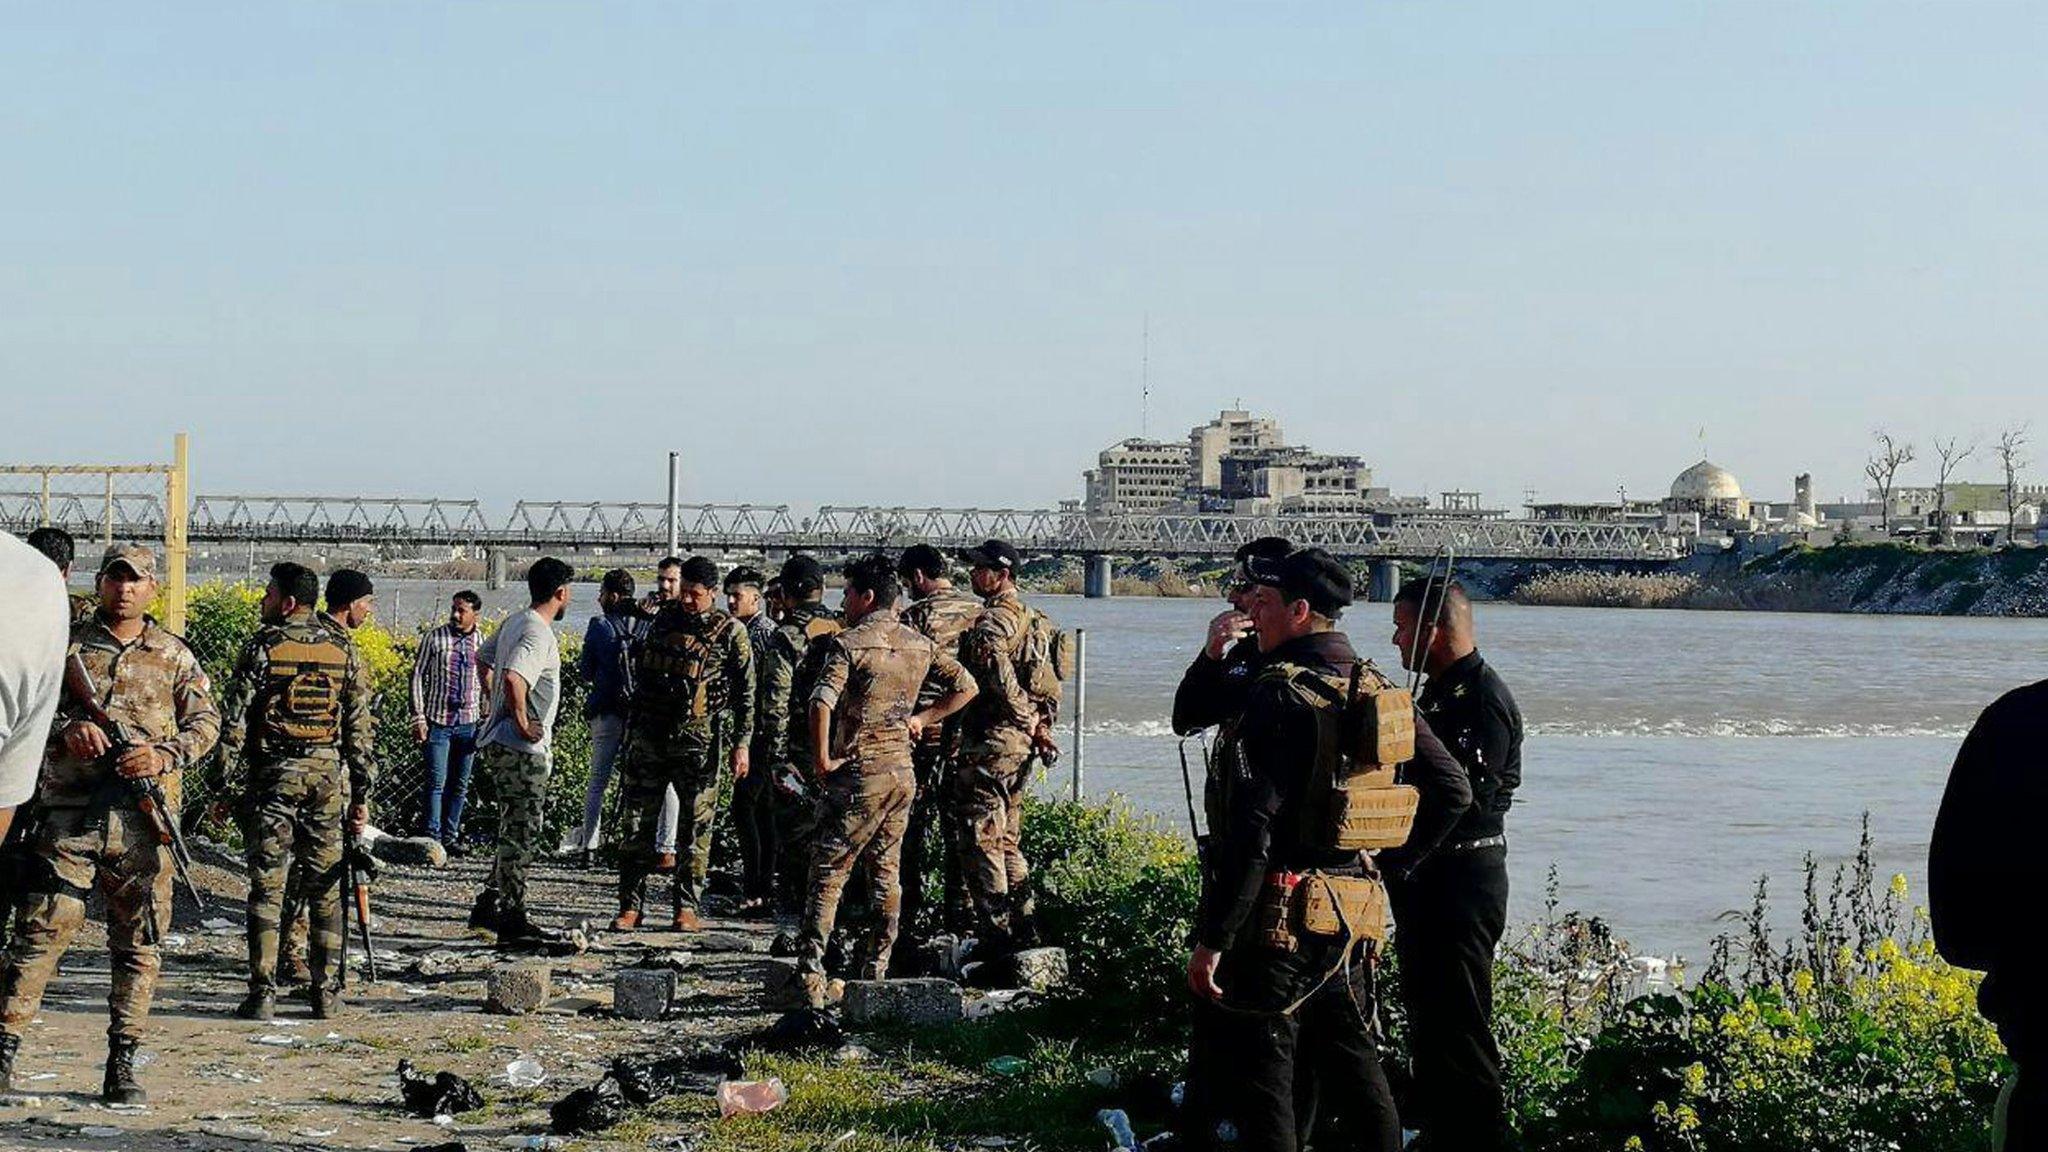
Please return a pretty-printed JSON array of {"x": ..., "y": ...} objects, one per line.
[
  {"x": 816, "y": 991},
  {"x": 484, "y": 913},
  {"x": 10, "y": 1047},
  {"x": 627, "y": 920},
  {"x": 120, "y": 1086},
  {"x": 259, "y": 1004},
  {"x": 327, "y": 1003}
]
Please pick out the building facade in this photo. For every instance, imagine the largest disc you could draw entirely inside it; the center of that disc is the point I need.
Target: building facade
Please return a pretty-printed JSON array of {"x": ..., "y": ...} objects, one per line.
[{"x": 1136, "y": 476}]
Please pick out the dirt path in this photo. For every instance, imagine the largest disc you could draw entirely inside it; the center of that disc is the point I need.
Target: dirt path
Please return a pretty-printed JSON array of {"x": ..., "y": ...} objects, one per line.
[{"x": 218, "y": 1082}]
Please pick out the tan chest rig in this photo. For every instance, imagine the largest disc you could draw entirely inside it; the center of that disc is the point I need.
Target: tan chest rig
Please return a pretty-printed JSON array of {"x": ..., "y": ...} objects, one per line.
[
  {"x": 301, "y": 695},
  {"x": 1354, "y": 802}
]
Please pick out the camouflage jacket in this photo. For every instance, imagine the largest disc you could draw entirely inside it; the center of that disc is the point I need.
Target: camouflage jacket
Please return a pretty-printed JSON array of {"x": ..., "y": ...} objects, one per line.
[
  {"x": 944, "y": 616},
  {"x": 870, "y": 676},
  {"x": 252, "y": 695},
  {"x": 990, "y": 650},
  {"x": 154, "y": 691},
  {"x": 785, "y": 733},
  {"x": 687, "y": 654},
  {"x": 761, "y": 638}
]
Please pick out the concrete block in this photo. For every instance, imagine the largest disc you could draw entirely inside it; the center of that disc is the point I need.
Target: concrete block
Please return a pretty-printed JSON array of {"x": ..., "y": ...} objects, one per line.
[
  {"x": 1041, "y": 969},
  {"x": 913, "y": 1003},
  {"x": 519, "y": 988},
  {"x": 643, "y": 993}
]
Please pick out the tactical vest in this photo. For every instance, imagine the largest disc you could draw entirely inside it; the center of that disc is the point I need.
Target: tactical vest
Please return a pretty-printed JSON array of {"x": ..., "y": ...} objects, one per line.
[
  {"x": 301, "y": 700},
  {"x": 1365, "y": 730},
  {"x": 674, "y": 673}
]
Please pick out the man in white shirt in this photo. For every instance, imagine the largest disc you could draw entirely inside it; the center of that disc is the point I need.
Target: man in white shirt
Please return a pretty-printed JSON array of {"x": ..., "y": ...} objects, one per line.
[
  {"x": 35, "y": 615},
  {"x": 514, "y": 751}
]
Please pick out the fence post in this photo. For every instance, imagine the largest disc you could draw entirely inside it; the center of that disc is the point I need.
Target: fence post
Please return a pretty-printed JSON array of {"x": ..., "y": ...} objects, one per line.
[
  {"x": 176, "y": 509},
  {"x": 674, "y": 529},
  {"x": 1080, "y": 707}
]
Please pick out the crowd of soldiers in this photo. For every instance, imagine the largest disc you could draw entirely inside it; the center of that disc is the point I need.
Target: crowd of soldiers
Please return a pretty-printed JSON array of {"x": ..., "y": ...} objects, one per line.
[{"x": 849, "y": 734}]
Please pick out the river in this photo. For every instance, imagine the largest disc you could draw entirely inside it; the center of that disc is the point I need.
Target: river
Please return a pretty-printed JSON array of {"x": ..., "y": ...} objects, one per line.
[{"x": 1672, "y": 757}]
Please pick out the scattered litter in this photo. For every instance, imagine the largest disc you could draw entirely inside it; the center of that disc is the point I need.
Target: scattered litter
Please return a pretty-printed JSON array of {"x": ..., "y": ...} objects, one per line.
[
  {"x": 853, "y": 1054},
  {"x": 172, "y": 941},
  {"x": 443, "y": 1120},
  {"x": 586, "y": 1036},
  {"x": 218, "y": 927},
  {"x": 445, "y": 1095},
  {"x": 1119, "y": 1126},
  {"x": 334, "y": 1036},
  {"x": 99, "y": 1131},
  {"x": 1102, "y": 1077},
  {"x": 314, "y": 1133},
  {"x": 244, "y": 1133},
  {"x": 1001, "y": 1000},
  {"x": 22, "y": 1101},
  {"x": 41, "y": 1076},
  {"x": 533, "y": 1143},
  {"x": 992, "y": 1142},
  {"x": 1007, "y": 1065},
  {"x": 799, "y": 1029},
  {"x": 277, "y": 1041},
  {"x": 525, "y": 1072},
  {"x": 750, "y": 1097},
  {"x": 842, "y": 1138},
  {"x": 645, "y": 1079},
  {"x": 288, "y": 1023},
  {"x": 227, "y": 1116},
  {"x": 591, "y": 1109},
  {"x": 131, "y": 1109}
]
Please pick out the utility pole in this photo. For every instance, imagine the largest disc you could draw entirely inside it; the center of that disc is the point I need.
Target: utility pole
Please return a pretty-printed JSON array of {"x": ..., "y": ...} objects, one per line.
[{"x": 674, "y": 529}]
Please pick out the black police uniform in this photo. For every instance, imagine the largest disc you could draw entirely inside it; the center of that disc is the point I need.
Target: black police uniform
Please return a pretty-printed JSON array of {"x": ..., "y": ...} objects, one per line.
[
  {"x": 1211, "y": 694},
  {"x": 1449, "y": 912},
  {"x": 1985, "y": 870},
  {"x": 1331, "y": 1032}
]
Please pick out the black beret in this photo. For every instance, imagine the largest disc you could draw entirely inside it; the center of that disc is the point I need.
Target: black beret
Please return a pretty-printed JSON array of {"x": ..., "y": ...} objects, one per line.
[
  {"x": 345, "y": 586},
  {"x": 1310, "y": 574}
]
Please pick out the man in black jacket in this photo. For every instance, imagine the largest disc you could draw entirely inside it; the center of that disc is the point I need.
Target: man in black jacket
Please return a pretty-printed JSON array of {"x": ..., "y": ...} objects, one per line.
[
  {"x": 1211, "y": 694},
  {"x": 1984, "y": 868},
  {"x": 1450, "y": 910},
  {"x": 1308, "y": 1006}
]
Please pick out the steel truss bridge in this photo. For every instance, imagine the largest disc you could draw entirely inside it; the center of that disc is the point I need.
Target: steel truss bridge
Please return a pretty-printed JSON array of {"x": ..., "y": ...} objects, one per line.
[{"x": 643, "y": 527}]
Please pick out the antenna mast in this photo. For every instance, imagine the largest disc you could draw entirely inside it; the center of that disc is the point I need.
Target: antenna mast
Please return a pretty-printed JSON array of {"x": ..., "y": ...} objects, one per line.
[{"x": 1145, "y": 379}]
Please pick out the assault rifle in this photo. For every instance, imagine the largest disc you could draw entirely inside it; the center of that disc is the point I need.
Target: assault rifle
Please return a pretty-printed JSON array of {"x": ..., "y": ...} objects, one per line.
[
  {"x": 146, "y": 791},
  {"x": 360, "y": 868}
]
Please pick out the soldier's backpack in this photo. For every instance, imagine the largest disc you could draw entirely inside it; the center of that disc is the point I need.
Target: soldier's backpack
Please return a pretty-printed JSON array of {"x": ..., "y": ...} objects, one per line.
[
  {"x": 1046, "y": 659},
  {"x": 1365, "y": 730},
  {"x": 301, "y": 700}
]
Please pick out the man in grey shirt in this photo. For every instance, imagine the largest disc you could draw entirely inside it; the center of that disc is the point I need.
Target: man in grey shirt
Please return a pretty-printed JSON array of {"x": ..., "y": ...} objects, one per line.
[{"x": 513, "y": 752}]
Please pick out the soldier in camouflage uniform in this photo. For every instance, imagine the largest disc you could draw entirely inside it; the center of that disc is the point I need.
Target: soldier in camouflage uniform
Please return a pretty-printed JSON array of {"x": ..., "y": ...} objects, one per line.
[
  {"x": 863, "y": 719},
  {"x": 351, "y": 598},
  {"x": 753, "y": 796},
  {"x": 693, "y": 663},
  {"x": 943, "y": 613},
  {"x": 89, "y": 832},
  {"x": 985, "y": 794},
  {"x": 298, "y": 729},
  {"x": 785, "y": 723}
]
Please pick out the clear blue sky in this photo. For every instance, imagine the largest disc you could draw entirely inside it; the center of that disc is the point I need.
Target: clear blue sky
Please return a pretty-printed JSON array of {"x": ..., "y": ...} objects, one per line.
[{"x": 903, "y": 253}]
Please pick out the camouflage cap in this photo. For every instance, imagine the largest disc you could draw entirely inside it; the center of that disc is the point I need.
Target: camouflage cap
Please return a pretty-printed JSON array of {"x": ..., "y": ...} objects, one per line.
[{"x": 137, "y": 558}]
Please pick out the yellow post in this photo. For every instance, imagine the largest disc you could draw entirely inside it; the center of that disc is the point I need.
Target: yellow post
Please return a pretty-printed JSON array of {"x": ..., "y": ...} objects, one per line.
[{"x": 177, "y": 505}]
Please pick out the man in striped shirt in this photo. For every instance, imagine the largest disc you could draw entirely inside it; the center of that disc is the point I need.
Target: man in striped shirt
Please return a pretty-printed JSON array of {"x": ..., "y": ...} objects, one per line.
[{"x": 447, "y": 693}]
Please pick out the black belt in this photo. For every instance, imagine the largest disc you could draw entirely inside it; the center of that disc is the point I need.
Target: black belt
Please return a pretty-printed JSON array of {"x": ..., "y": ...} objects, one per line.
[{"x": 1497, "y": 840}]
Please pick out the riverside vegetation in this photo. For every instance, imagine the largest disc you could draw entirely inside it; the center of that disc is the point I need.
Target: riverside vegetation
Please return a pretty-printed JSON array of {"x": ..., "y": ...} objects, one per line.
[
  {"x": 1850, "y": 1035},
  {"x": 1871, "y": 578}
]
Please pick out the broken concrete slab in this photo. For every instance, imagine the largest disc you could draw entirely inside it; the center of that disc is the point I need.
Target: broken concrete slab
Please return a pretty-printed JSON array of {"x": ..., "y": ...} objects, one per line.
[
  {"x": 912, "y": 1003},
  {"x": 643, "y": 993},
  {"x": 519, "y": 988}
]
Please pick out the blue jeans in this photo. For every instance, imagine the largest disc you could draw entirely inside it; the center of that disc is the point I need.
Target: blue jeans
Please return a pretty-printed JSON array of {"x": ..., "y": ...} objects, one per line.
[{"x": 451, "y": 750}]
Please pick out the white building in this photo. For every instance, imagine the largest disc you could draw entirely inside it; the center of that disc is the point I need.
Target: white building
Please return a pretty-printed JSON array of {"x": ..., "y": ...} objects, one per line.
[{"x": 1136, "y": 476}]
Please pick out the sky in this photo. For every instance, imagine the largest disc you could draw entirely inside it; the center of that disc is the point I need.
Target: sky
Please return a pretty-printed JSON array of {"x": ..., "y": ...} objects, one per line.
[{"x": 911, "y": 253}]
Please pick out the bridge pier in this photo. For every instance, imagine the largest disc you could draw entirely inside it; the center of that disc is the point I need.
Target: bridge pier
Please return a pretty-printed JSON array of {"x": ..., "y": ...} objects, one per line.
[
  {"x": 1384, "y": 582},
  {"x": 1096, "y": 577},
  {"x": 494, "y": 568}
]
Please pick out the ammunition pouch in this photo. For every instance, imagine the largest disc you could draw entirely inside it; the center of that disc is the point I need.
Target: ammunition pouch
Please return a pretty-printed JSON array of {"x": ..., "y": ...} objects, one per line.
[
  {"x": 302, "y": 695},
  {"x": 1320, "y": 905}
]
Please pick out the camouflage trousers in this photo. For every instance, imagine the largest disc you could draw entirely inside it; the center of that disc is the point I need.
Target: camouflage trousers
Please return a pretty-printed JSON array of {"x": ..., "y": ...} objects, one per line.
[
  {"x": 656, "y": 761},
  {"x": 293, "y": 820},
  {"x": 934, "y": 760},
  {"x": 520, "y": 782},
  {"x": 73, "y": 851},
  {"x": 984, "y": 803},
  {"x": 864, "y": 813}
]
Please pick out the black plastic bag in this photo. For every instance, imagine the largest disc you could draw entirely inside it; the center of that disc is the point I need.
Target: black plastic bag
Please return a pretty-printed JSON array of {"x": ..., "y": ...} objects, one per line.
[
  {"x": 647, "y": 1078},
  {"x": 591, "y": 1109},
  {"x": 445, "y": 1095},
  {"x": 798, "y": 1030}
]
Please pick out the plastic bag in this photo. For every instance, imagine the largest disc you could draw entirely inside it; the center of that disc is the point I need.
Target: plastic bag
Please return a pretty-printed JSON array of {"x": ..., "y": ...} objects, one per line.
[
  {"x": 750, "y": 1097},
  {"x": 591, "y": 1109},
  {"x": 445, "y": 1095}
]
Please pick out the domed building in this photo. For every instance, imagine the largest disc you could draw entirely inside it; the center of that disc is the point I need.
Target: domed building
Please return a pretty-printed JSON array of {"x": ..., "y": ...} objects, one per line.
[{"x": 1710, "y": 490}]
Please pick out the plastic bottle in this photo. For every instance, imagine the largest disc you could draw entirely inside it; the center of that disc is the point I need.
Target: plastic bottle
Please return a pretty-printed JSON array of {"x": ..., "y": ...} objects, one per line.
[{"x": 1007, "y": 1065}]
